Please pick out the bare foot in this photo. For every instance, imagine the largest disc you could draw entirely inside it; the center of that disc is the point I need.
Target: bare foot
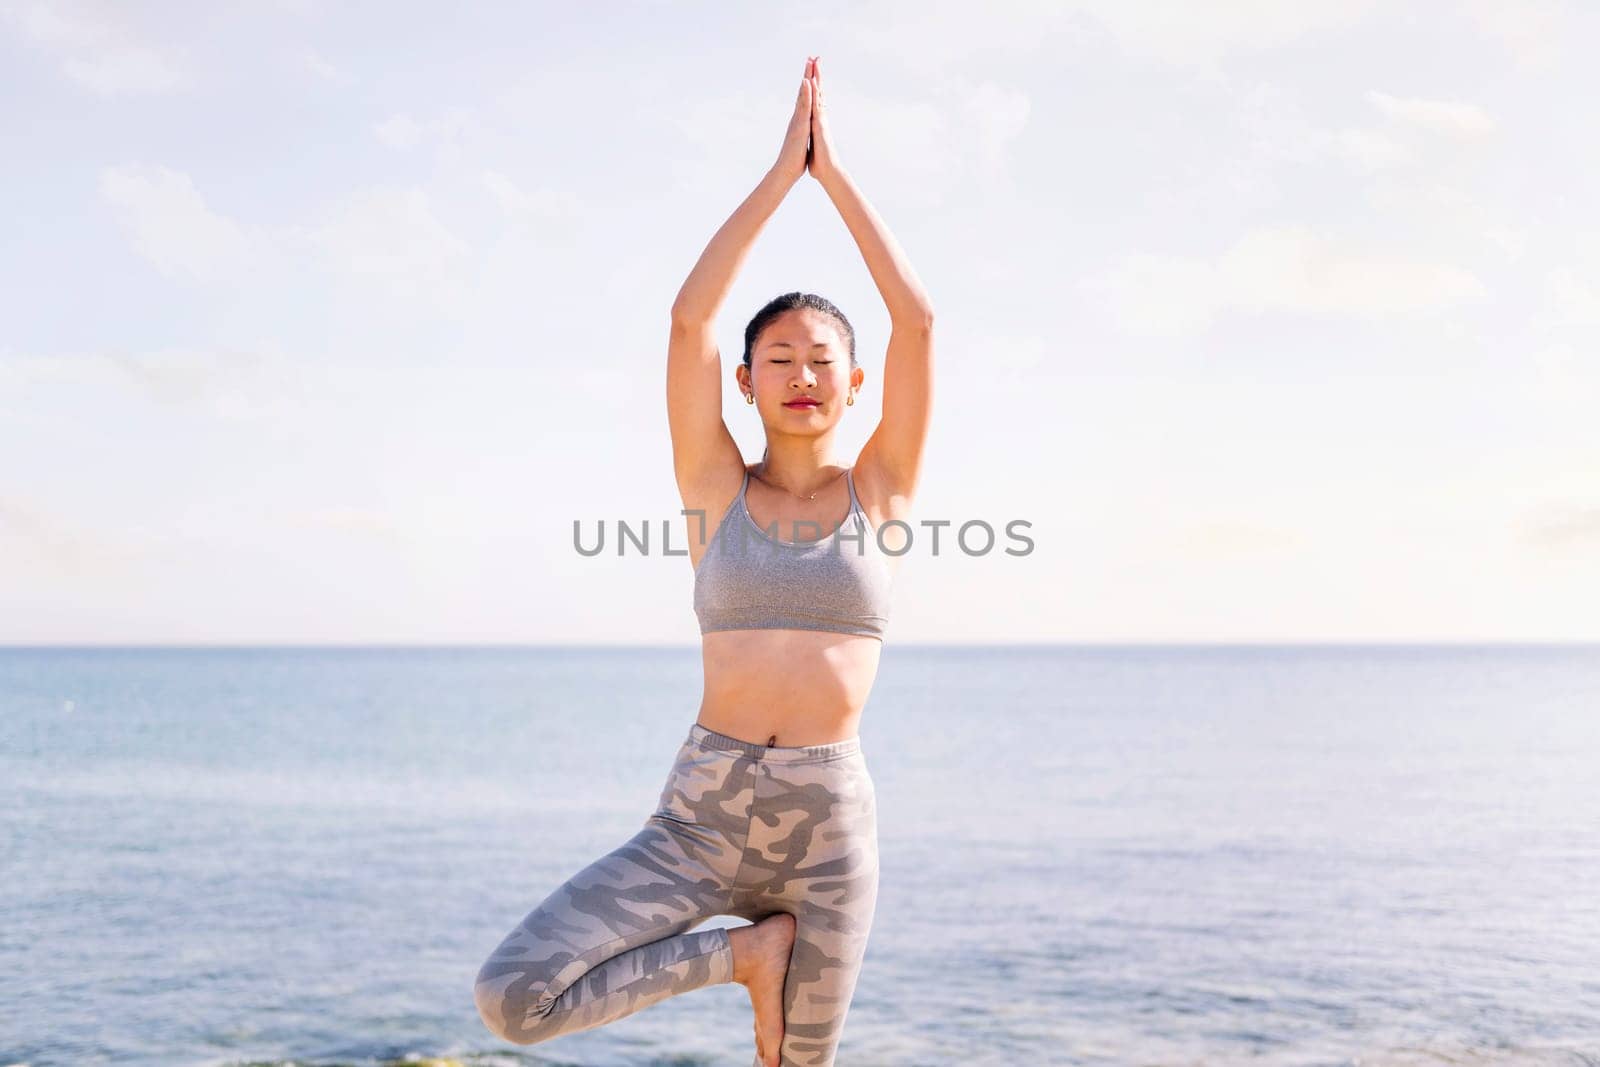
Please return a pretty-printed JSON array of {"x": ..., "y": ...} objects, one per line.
[{"x": 760, "y": 963}]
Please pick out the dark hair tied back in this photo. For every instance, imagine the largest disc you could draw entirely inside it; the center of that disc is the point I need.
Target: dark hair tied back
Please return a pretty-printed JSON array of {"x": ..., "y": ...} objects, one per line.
[{"x": 788, "y": 302}]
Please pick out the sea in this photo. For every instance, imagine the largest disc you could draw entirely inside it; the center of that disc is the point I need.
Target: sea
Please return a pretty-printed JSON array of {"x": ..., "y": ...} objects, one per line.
[{"x": 1142, "y": 855}]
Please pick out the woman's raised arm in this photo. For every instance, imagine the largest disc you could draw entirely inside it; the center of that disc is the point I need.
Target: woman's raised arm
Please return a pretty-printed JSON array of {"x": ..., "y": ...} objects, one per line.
[
  {"x": 701, "y": 443},
  {"x": 892, "y": 456}
]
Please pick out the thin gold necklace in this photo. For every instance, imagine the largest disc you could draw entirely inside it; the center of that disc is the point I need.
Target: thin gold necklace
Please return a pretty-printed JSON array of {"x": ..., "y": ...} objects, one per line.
[{"x": 797, "y": 496}]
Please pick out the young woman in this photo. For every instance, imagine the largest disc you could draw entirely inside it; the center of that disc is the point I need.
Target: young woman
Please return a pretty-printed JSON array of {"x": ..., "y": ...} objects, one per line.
[{"x": 768, "y": 813}]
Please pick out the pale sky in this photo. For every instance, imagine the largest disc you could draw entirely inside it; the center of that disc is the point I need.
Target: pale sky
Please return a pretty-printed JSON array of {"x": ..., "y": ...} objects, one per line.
[{"x": 323, "y": 323}]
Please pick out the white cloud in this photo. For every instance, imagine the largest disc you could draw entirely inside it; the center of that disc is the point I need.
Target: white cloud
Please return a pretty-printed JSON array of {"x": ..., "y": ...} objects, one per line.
[
  {"x": 995, "y": 358},
  {"x": 997, "y": 115},
  {"x": 717, "y": 134},
  {"x": 1276, "y": 125},
  {"x": 1275, "y": 130},
  {"x": 1290, "y": 268},
  {"x": 346, "y": 518},
  {"x": 1186, "y": 34},
  {"x": 171, "y": 225},
  {"x": 1511, "y": 240},
  {"x": 930, "y": 33},
  {"x": 311, "y": 60},
  {"x": 1533, "y": 31},
  {"x": 382, "y": 241},
  {"x": 400, "y": 131},
  {"x": 1450, "y": 117},
  {"x": 127, "y": 70},
  {"x": 1432, "y": 210},
  {"x": 35, "y": 538},
  {"x": 1571, "y": 297},
  {"x": 225, "y": 383},
  {"x": 927, "y": 34},
  {"x": 546, "y": 208},
  {"x": 1370, "y": 151},
  {"x": 1264, "y": 128},
  {"x": 1564, "y": 525},
  {"x": 1282, "y": 132},
  {"x": 182, "y": 376},
  {"x": 1227, "y": 537},
  {"x": 448, "y": 133},
  {"x": 95, "y": 51},
  {"x": 391, "y": 241}
]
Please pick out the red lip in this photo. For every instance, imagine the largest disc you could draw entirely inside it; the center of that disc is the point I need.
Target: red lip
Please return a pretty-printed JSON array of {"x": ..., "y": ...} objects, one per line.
[{"x": 800, "y": 404}]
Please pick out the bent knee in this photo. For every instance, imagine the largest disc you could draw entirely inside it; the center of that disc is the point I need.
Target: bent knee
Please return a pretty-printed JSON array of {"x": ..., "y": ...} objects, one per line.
[
  {"x": 511, "y": 1006},
  {"x": 489, "y": 995}
]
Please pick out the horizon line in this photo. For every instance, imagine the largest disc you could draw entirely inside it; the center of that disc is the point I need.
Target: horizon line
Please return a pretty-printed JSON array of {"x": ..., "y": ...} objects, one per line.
[{"x": 637, "y": 646}]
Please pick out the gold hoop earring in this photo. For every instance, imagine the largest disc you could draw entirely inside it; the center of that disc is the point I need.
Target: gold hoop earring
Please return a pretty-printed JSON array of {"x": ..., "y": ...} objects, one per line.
[
  {"x": 851, "y": 399},
  {"x": 749, "y": 398}
]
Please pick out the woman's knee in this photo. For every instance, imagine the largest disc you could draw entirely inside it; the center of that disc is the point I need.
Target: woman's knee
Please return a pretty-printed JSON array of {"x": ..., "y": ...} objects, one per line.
[{"x": 511, "y": 1002}]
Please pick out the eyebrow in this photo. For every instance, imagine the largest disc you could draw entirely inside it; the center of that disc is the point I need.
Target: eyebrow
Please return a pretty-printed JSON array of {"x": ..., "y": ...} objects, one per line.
[{"x": 786, "y": 344}]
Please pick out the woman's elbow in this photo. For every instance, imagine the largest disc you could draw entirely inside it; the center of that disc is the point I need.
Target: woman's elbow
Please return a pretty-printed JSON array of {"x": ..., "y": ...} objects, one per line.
[
  {"x": 687, "y": 317},
  {"x": 916, "y": 318}
]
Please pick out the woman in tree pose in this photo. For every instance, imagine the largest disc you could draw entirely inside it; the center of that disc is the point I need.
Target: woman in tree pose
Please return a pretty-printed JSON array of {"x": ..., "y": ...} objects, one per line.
[{"x": 768, "y": 812}]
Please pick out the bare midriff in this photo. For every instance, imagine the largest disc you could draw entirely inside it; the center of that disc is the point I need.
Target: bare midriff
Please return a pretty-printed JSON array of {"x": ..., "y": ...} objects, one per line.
[{"x": 786, "y": 687}]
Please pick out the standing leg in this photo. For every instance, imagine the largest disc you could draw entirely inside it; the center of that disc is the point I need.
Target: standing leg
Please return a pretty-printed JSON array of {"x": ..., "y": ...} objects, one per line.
[{"x": 813, "y": 852}]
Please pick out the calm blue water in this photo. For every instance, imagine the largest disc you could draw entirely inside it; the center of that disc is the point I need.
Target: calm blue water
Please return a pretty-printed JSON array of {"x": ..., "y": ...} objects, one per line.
[{"x": 1158, "y": 856}]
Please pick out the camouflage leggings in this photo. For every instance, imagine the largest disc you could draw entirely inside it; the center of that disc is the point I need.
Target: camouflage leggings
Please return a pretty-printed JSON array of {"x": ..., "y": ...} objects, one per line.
[{"x": 741, "y": 829}]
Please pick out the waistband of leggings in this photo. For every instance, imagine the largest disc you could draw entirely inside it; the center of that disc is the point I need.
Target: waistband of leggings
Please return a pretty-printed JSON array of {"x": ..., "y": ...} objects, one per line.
[{"x": 705, "y": 738}]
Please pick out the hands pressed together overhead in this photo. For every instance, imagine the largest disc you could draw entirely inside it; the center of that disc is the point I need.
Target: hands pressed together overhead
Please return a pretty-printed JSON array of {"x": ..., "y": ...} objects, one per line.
[{"x": 807, "y": 146}]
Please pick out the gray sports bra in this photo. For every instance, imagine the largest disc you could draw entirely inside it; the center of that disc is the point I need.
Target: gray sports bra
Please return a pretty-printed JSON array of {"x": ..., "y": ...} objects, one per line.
[{"x": 748, "y": 579}]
